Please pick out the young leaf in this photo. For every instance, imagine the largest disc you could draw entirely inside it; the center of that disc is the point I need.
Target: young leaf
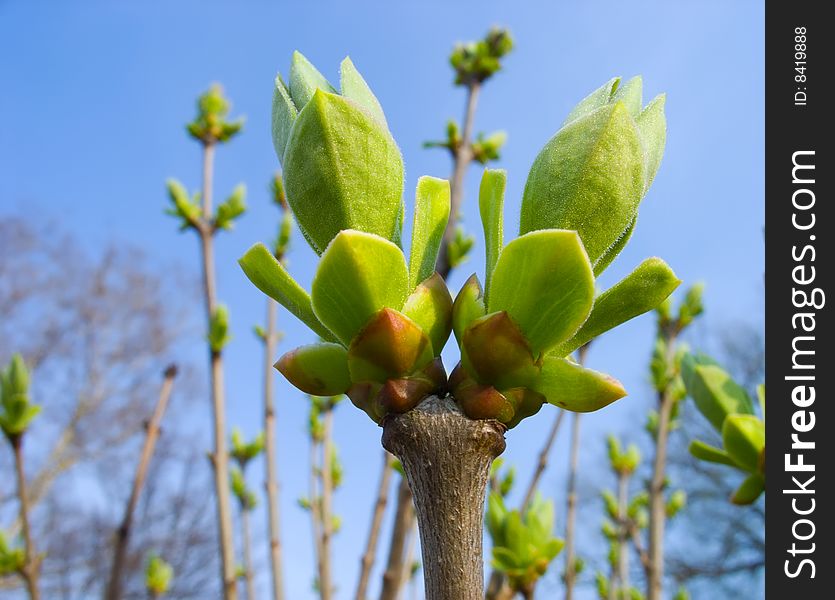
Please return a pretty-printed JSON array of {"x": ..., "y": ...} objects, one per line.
[
  {"x": 342, "y": 170},
  {"x": 270, "y": 276},
  {"x": 710, "y": 453},
  {"x": 490, "y": 205},
  {"x": 305, "y": 79},
  {"x": 390, "y": 346},
  {"x": 652, "y": 124},
  {"x": 715, "y": 393},
  {"x": 631, "y": 94},
  {"x": 743, "y": 437},
  {"x": 612, "y": 253},
  {"x": 468, "y": 306},
  {"x": 431, "y": 216},
  {"x": 568, "y": 385},
  {"x": 495, "y": 352},
  {"x": 232, "y": 208},
  {"x": 544, "y": 281},
  {"x": 359, "y": 274},
  {"x": 430, "y": 306},
  {"x": 284, "y": 114},
  {"x": 590, "y": 178},
  {"x": 353, "y": 86},
  {"x": 749, "y": 490},
  {"x": 598, "y": 98},
  {"x": 317, "y": 369},
  {"x": 219, "y": 329},
  {"x": 641, "y": 291}
]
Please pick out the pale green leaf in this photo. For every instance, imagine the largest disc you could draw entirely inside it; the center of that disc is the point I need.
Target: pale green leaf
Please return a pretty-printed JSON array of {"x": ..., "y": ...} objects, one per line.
[
  {"x": 652, "y": 125},
  {"x": 715, "y": 393},
  {"x": 572, "y": 387},
  {"x": 359, "y": 274},
  {"x": 468, "y": 306},
  {"x": 318, "y": 369},
  {"x": 598, "y": 98},
  {"x": 749, "y": 490},
  {"x": 631, "y": 94},
  {"x": 639, "y": 292},
  {"x": 305, "y": 79},
  {"x": 710, "y": 453},
  {"x": 431, "y": 216},
  {"x": 545, "y": 283},
  {"x": 270, "y": 276},
  {"x": 353, "y": 86},
  {"x": 284, "y": 114},
  {"x": 743, "y": 437},
  {"x": 491, "y": 205}
]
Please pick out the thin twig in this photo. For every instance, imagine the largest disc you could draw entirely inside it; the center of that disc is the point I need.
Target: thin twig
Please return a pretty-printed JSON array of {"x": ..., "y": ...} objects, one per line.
[
  {"x": 542, "y": 463},
  {"x": 152, "y": 432},
  {"x": 325, "y": 585},
  {"x": 31, "y": 563},
  {"x": 249, "y": 574},
  {"x": 367, "y": 561}
]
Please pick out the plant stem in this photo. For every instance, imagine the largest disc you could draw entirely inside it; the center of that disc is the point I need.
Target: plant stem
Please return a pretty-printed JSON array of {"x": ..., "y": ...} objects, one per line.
[
  {"x": 249, "y": 575},
  {"x": 220, "y": 459},
  {"x": 657, "y": 508},
  {"x": 29, "y": 570},
  {"x": 271, "y": 453},
  {"x": 316, "y": 506},
  {"x": 571, "y": 514},
  {"x": 325, "y": 584},
  {"x": 152, "y": 431},
  {"x": 462, "y": 156},
  {"x": 367, "y": 561},
  {"x": 623, "y": 549},
  {"x": 447, "y": 458},
  {"x": 403, "y": 521}
]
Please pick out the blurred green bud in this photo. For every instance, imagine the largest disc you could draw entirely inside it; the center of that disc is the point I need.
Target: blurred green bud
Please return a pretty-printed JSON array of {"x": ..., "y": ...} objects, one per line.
[
  {"x": 184, "y": 208},
  {"x": 675, "y": 503},
  {"x": 692, "y": 306},
  {"x": 232, "y": 208},
  {"x": 610, "y": 503},
  {"x": 475, "y": 62},
  {"x": 211, "y": 125},
  {"x": 219, "y": 335},
  {"x": 485, "y": 148},
  {"x": 715, "y": 392},
  {"x": 16, "y": 409},
  {"x": 242, "y": 451},
  {"x": 459, "y": 247},
  {"x": 743, "y": 437},
  {"x": 591, "y": 176},
  {"x": 342, "y": 168},
  {"x": 158, "y": 576},
  {"x": 11, "y": 559}
]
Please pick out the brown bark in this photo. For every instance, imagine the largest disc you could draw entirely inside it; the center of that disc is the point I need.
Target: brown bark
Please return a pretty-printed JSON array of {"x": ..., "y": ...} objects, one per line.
[
  {"x": 152, "y": 431},
  {"x": 403, "y": 522},
  {"x": 462, "y": 156},
  {"x": 657, "y": 507},
  {"x": 220, "y": 457},
  {"x": 447, "y": 458},
  {"x": 29, "y": 570},
  {"x": 271, "y": 454},
  {"x": 367, "y": 561}
]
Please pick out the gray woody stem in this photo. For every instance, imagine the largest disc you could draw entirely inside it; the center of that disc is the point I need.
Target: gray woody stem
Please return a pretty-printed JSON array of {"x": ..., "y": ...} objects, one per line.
[
  {"x": 29, "y": 570},
  {"x": 447, "y": 458},
  {"x": 271, "y": 452},
  {"x": 152, "y": 431},
  {"x": 367, "y": 561},
  {"x": 657, "y": 508},
  {"x": 220, "y": 457}
]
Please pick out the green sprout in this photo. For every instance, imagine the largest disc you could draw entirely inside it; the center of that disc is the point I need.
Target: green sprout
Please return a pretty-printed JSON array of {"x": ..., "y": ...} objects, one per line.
[
  {"x": 243, "y": 452},
  {"x": 729, "y": 409},
  {"x": 245, "y": 496},
  {"x": 16, "y": 409},
  {"x": 523, "y": 545},
  {"x": 384, "y": 319},
  {"x": 158, "y": 576},
  {"x": 211, "y": 125},
  {"x": 12, "y": 559}
]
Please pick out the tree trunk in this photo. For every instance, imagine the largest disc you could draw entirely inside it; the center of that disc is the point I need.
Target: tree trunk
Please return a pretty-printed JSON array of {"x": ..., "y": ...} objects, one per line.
[
  {"x": 114, "y": 587},
  {"x": 367, "y": 562},
  {"x": 447, "y": 458},
  {"x": 271, "y": 454}
]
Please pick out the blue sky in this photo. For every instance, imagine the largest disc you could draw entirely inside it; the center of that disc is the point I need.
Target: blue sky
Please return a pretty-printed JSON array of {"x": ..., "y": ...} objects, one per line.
[{"x": 95, "y": 96}]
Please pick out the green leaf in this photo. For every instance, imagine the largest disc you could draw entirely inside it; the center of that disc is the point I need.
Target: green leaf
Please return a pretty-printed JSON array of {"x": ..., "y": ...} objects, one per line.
[
  {"x": 459, "y": 247},
  {"x": 710, "y": 453},
  {"x": 430, "y": 306},
  {"x": 317, "y": 369},
  {"x": 490, "y": 205},
  {"x": 219, "y": 329},
  {"x": 305, "y": 79},
  {"x": 588, "y": 178},
  {"x": 342, "y": 170},
  {"x": 597, "y": 99},
  {"x": 761, "y": 398},
  {"x": 639, "y": 292},
  {"x": 544, "y": 281},
  {"x": 431, "y": 216},
  {"x": 572, "y": 387},
  {"x": 652, "y": 125},
  {"x": 749, "y": 490},
  {"x": 232, "y": 208},
  {"x": 353, "y": 86},
  {"x": 468, "y": 306},
  {"x": 270, "y": 276},
  {"x": 284, "y": 115},
  {"x": 715, "y": 393},
  {"x": 359, "y": 274},
  {"x": 615, "y": 249},
  {"x": 743, "y": 437},
  {"x": 631, "y": 94}
]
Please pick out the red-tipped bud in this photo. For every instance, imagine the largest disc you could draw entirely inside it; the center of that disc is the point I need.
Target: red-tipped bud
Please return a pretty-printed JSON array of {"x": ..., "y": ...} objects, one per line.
[
  {"x": 495, "y": 352},
  {"x": 390, "y": 346}
]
